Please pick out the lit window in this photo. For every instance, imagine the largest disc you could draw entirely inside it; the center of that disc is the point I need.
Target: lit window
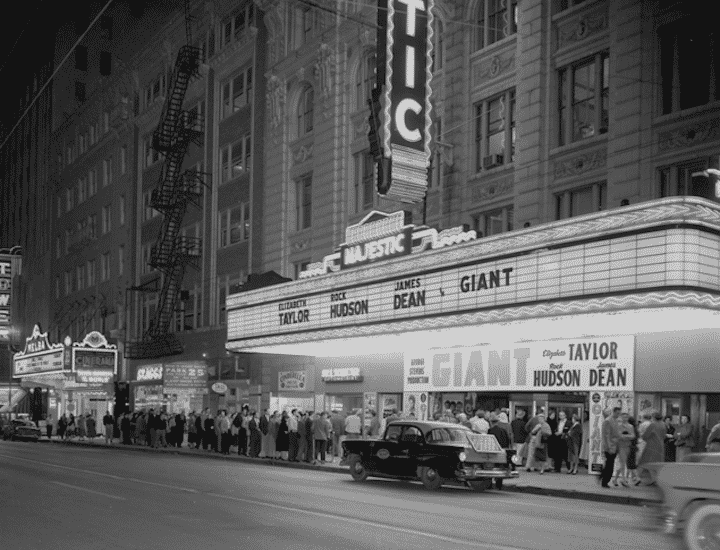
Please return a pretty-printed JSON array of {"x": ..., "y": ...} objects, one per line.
[
  {"x": 305, "y": 111},
  {"x": 234, "y": 225},
  {"x": 107, "y": 171},
  {"x": 583, "y": 200},
  {"x": 81, "y": 190},
  {"x": 69, "y": 199},
  {"x": 237, "y": 92},
  {"x": 106, "y": 219},
  {"x": 80, "y": 274},
  {"x": 121, "y": 259},
  {"x": 495, "y": 131},
  {"x": 495, "y": 20},
  {"x": 154, "y": 90},
  {"x": 235, "y": 159},
  {"x": 121, "y": 209},
  {"x": 584, "y": 99}
]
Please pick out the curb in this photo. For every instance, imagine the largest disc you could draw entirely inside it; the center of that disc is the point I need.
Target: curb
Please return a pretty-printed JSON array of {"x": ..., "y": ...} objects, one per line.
[{"x": 573, "y": 494}]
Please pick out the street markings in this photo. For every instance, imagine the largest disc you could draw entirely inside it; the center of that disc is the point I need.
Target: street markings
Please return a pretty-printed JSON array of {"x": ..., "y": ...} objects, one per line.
[{"x": 88, "y": 490}]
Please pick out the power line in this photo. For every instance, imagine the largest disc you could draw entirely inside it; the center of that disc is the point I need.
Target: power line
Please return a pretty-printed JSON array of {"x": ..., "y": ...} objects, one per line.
[{"x": 57, "y": 69}]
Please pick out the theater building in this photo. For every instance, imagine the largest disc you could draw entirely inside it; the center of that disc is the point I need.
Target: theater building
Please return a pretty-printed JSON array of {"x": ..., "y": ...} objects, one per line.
[{"x": 619, "y": 307}]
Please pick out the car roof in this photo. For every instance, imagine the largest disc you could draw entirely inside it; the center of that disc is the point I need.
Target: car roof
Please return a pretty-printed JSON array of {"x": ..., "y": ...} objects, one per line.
[{"x": 427, "y": 425}]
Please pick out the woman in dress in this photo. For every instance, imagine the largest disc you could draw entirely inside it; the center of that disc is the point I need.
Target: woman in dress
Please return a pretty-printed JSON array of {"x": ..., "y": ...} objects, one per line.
[
  {"x": 541, "y": 434},
  {"x": 255, "y": 435},
  {"x": 283, "y": 438},
  {"x": 574, "y": 442},
  {"x": 627, "y": 434}
]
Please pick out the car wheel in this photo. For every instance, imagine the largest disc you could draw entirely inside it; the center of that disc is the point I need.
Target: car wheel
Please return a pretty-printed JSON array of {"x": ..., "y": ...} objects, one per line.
[
  {"x": 430, "y": 478},
  {"x": 357, "y": 468},
  {"x": 702, "y": 531},
  {"x": 480, "y": 485}
]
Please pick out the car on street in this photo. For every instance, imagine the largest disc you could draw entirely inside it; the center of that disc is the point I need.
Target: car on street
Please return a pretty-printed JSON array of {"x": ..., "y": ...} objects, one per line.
[
  {"x": 690, "y": 492},
  {"x": 432, "y": 452},
  {"x": 21, "y": 429}
]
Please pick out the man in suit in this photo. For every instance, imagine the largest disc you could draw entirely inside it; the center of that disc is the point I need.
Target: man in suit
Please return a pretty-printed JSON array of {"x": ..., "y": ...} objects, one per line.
[
  {"x": 302, "y": 437},
  {"x": 610, "y": 439},
  {"x": 310, "y": 420},
  {"x": 265, "y": 430}
]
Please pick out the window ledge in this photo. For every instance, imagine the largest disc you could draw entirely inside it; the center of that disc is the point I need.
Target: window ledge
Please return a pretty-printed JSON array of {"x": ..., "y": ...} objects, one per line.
[
  {"x": 572, "y": 10},
  {"x": 682, "y": 116},
  {"x": 489, "y": 172},
  {"x": 491, "y": 48},
  {"x": 578, "y": 145}
]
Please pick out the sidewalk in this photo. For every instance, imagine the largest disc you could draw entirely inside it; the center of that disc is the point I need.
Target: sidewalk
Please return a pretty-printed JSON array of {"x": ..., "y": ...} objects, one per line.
[{"x": 580, "y": 487}]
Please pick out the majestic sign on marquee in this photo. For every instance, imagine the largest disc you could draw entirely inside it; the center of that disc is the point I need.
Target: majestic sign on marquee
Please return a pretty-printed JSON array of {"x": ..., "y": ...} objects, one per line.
[
  {"x": 406, "y": 95},
  {"x": 39, "y": 356},
  {"x": 587, "y": 364},
  {"x": 380, "y": 236}
]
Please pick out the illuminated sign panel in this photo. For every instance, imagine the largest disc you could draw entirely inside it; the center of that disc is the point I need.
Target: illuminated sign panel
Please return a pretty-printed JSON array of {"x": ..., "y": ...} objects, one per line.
[
  {"x": 94, "y": 361},
  {"x": 8, "y": 269},
  {"x": 39, "y": 356},
  {"x": 406, "y": 96},
  {"x": 149, "y": 372}
]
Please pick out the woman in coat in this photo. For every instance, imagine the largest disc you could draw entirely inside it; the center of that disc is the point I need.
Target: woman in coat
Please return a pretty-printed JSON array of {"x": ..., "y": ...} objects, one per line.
[
  {"x": 541, "y": 434},
  {"x": 283, "y": 437},
  {"x": 632, "y": 459},
  {"x": 255, "y": 435},
  {"x": 669, "y": 440},
  {"x": 684, "y": 438},
  {"x": 81, "y": 426},
  {"x": 273, "y": 429},
  {"x": 574, "y": 443},
  {"x": 90, "y": 423},
  {"x": 654, "y": 437}
]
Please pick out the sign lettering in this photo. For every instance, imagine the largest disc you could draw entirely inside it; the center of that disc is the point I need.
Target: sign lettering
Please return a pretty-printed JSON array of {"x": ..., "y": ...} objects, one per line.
[
  {"x": 351, "y": 374},
  {"x": 151, "y": 372}
]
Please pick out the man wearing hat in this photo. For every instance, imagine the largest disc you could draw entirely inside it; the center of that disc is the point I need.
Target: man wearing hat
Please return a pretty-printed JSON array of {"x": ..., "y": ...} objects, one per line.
[{"x": 502, "y": 437}]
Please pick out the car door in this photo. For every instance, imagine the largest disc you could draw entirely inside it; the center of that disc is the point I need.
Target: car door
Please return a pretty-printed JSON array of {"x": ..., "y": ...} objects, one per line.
[
  {"x": 403, "y": 461},
  {"x": 384, "y": 449}
]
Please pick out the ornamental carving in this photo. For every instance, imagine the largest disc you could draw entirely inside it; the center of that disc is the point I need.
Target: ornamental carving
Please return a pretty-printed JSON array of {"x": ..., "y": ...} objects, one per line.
[
  {"x": 303, "y": 154},
  {"x": 582, "y": 27},
  {"x": 276, "y": 99},
  {"x": 689, "y": 135},
  {"x": 585, "y": 162},
  {"x": 493, "y": 67},
  {"x": 325, "y": 69},
  {"x": 362, "y": 127},
  {"x": 368, "y": 37},
  {"x": 487, "y": 191}
]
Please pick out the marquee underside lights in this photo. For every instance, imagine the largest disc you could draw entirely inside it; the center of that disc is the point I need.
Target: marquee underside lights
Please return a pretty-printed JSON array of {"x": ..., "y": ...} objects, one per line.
[{"x": 406, "y": 96}]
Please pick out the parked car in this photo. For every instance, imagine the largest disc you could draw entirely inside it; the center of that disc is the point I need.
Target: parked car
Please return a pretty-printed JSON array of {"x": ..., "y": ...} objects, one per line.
[
  {"x": 21, "y": 429},
  {"x": 690, "y": 494},
  {"x": 433, "y": 452}
]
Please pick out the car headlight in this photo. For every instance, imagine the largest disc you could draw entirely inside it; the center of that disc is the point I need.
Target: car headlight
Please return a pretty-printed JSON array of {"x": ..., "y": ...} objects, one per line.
[{"x": 462, "y": 457}]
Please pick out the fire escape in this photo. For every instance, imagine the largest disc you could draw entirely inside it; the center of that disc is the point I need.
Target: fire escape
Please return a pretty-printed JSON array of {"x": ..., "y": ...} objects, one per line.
[{"x": 176, "y": 189}]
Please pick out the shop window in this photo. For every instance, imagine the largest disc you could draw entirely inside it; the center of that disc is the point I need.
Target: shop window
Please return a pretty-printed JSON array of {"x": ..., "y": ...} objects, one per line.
[
  {"x": 584, "y": 200},
  {"x": 584, "y": 99},
  {"x": 495, "y": 131},
  {"x": 495, "y": 19},
  {"x": 687, "y": 179},
  {"x": 494, "y": 222}
]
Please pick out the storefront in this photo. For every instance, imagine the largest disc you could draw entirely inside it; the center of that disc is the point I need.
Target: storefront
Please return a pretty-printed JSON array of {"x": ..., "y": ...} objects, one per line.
[
  {"x": 620, "y": 307},
  {"x": 172, "y": 387}
]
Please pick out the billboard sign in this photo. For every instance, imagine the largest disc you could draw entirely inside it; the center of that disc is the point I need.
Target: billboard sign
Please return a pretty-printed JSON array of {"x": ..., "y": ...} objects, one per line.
[
  {"x": 406, "y": 95},
  {"x": 39, "y": 356},
  {"x": 9, "y": 267},
  {"x": 94, "y": 361}
]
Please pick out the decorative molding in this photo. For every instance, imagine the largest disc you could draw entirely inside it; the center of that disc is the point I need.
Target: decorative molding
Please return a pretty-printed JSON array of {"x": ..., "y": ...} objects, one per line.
[
  {"x": 689, "y": 135},
  {"x": 489, "y": 68},
  {"x": 581, "y": 27},
  {"x": 276, "y": 99},
  {"x": 368, "y": 37},
  {"x": 482, "y": 191},
  {"x": 579, "y": 164},
  {"x": 324, "y": 69},
  {"x": 361, "y": 126},
  {"x": 303, "y": 153}
]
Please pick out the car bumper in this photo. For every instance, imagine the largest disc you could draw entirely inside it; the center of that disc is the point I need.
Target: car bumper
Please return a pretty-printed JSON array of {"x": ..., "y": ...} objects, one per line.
[{"x": 469, "y": 473}]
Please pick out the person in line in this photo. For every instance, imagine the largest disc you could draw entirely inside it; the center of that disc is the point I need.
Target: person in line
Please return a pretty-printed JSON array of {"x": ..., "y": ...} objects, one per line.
[
  {"x": 283, "y": 437},
  {"x": 125, "y": 429},
  {"x": 141, "y": 428},
  {"x": 540, "y": 435},
  {"x": 560, "y": 447},
  {"x": 225, "y": 439},
  {"x": 309, "y": 428},
  {"x": 670, "y": 451},
  {"x": 322, "y": 429},
  {"x": 265, "y": 431},
  {"x": 255, "y": 435},
  {"x": 49, "y": 426},
  {"x": 518, "y": 436},
  {"x": 574, "y": 442},
  {"x": 302, "y": 437},
  {"x": 374, "y": 427},
  {"x": 274, "y": 428},
  {"x": 162, "y": 430},
  {"x": 531, "y": 439},
  {"x": 627, "y": 434},
  {"x": 684, "y": 438},
  {"x": 62, "y": 426},
  {"x": 479, "y": 423},
  {"x": 712, "y": 445},
  {"x": 503, "y": 439},
  {"x": 654, "y": 451},
  {"x": 610, "y": 439},
  {"x": 338, "y": 426},
  {"x": 81, "y": 426},
  {"x": 633, "y": 453},
  {"x": 353, "y": 425}
]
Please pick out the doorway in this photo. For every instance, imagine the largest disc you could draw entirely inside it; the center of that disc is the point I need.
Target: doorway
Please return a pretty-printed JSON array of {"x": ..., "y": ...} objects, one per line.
[{"x": 672, "y": 406}]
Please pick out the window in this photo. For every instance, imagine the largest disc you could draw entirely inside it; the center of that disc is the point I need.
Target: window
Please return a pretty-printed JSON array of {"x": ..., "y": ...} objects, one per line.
[
  {"x": 235, "y": 26},
  {"x": 105, "y": 266},
  {"x": 584, "y": 99},
  {"x": 81, "y": 58},
  {"x": 146, "y": 251},
  {"x": 106, "y": 219},
  {"x": 68, "y": 238},
  {"x": 234, "y": 225},
  {"x": 235, "y": 159},
  {"x": 82, "y": 144},
  {"x": 684, "y": 47},
  {"x": 151, "y": 155},
  {"x": 107, "y": 171},
  {"x": 80, "y": 274},
  {"x": 91, "y": 272},
  {"x": 69, "y": 154},
  {"x": 57, "y": 287},
  {"x": 299, "y": 267},
  {"x": 69, "y": 199},
  {"x": 495, "y": 131},
  {"x": 81, "y": 190},
  {"x": 121, "y": 209},
  {"x": 494, "y": 222},
  {"x": 92, "y": 226},
  {"x": 365, "y": 81},
  {"x": 303, "y": 26},
  {"x": 686, "y": 179},
  {"x": 496, "y": 19},
  {"x": 79, "y": 91},
  {"x": 438, "y": 50},
  {"x": 92, "y": 182},
  {"x": 237, "y": 92},
  {"x": 105, "y": 63},
  {"x": 583, "y": 200},
  {"x": 305, "y": 111},
  {"x": 303, "y": 202},
  {"x": 92, "y": 134},
  {"x": 188, "y": 311},
  {"x": 154, "y": 90},
  {"x": 123, "y": 159},
  {"x": 106, "y": 27},
  {"x": 121, "y": 259},
  {"x": 148, "y": 211},
  {"x": 58, "y": 247},
  {"x": 364, "y": 181},
  {"x": 68, "y": 283},
  {"x": 565, "y": 4}
]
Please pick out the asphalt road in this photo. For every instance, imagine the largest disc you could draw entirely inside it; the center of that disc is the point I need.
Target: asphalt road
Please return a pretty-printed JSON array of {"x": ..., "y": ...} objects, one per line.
[{"x": 55, "y": 497}]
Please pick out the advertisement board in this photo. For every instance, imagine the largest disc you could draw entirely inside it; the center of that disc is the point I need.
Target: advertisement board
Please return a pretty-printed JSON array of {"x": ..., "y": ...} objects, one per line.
[
  {"x": 578, "y": 365},
  {"x": 294, "y": 380},
  {"x": 39, "y": 356},
  {"x": 9, "y": 267},
  {"x": 185, "y": 375}
]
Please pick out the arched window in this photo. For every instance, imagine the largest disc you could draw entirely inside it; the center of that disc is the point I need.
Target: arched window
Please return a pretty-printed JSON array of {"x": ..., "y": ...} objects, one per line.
[
  {"x": 438, "y": 45},
  {"x": 365, "y": 80},
  {"x": 305, "y": 111}
]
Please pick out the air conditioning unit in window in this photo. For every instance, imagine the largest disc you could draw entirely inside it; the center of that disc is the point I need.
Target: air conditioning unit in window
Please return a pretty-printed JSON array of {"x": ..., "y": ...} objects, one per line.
[{"x": 491, "y": 161}]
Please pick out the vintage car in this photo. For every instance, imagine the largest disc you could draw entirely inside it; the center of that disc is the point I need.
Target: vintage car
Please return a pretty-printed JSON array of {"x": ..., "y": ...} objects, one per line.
[
  {"x": 21, "y": 429},
  {"x": 433, "y": 452},
  {"x": 690, "y": 492}
]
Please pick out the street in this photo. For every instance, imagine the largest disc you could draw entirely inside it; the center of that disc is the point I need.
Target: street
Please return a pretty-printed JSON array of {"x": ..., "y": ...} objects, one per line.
[{"x": 57, "y": 497}]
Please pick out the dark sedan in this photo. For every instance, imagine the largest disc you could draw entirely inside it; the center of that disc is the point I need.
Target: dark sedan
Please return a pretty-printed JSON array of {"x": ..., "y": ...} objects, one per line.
[{"x": 20, "y": 429}]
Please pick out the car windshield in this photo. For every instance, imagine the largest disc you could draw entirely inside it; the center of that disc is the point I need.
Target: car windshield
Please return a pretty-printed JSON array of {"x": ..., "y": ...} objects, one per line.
[{"x": 453, "y": 435}]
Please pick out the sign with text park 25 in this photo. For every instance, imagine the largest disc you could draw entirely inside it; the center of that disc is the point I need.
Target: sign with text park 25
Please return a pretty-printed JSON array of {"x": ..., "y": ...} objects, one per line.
[
  {"x": 583, "y": 364},
  {"x": 406, "y": 95}
]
